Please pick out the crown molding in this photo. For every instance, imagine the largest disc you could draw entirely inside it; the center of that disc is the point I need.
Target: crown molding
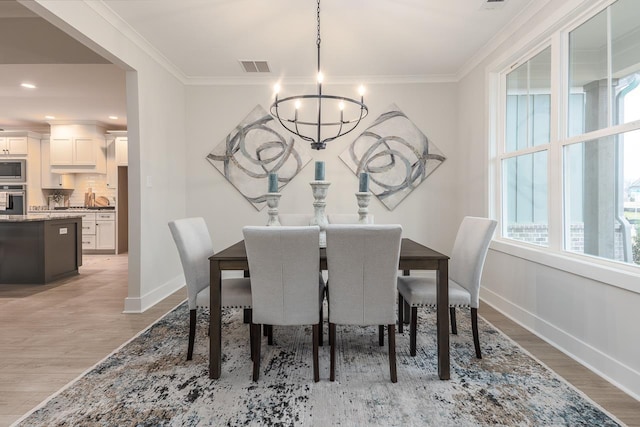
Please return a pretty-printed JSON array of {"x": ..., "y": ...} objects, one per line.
[
  {"x": 507, "y": 32},
  {"x": 124, "y": 28},
  {"x": 335, "y": 80}
]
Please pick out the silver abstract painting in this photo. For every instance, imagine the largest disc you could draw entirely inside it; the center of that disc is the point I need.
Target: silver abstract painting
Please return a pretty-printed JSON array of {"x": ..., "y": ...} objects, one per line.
[
  {"x": 396, "y": 154},
  {"x": 255, "y": 148}
]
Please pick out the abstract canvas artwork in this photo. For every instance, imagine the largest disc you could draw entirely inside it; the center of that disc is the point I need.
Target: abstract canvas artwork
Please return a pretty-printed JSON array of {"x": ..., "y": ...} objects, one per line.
[
  {"x": 252, "y": 150},
  {"x": 396, "y": 154}
]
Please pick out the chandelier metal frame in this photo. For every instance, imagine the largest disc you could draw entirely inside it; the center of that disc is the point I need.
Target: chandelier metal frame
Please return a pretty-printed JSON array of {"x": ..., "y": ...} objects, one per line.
[{"x": 295, "y": 125}]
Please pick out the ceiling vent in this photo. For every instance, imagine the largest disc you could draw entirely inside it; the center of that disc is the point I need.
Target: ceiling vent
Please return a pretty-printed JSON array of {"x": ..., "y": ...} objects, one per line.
[
  {"x": 493, "y": 4},
  {"x": 255, "y": 66}
]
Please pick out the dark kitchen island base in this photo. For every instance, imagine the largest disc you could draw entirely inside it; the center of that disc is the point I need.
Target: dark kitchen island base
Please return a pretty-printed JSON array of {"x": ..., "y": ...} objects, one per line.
[{"x": 37, "y": 249}]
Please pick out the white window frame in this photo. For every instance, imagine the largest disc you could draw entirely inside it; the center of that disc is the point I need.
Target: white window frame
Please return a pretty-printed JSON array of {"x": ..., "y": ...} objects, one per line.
[{"x": 619, "y": 274}]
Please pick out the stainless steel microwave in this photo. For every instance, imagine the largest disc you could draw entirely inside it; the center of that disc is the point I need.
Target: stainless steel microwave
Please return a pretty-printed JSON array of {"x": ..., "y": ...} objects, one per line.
[{"x": 13, "y": 170}]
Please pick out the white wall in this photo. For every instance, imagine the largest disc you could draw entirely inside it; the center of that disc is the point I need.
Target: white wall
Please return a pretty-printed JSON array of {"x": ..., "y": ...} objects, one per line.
[
  {"x": 213, "y": 112},
  {"x": 592, "y": 321},
  {"x": 156, "y": 135}
]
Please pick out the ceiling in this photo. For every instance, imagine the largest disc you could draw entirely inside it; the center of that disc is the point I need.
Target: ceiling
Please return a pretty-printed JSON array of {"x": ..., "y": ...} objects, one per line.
[{"x": 203, "y": 41}]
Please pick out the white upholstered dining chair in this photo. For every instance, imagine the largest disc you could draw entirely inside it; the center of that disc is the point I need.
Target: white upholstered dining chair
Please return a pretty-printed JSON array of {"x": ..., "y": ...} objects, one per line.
[
  {"x": 295, "y": 219},
  {"x": 194, "y": 245},
  {"x": 363, "y": 266},
  {"x": 347, "y": 218},
  {"x": 285, "y": 287},
  {"x": 465, "y": 271}
]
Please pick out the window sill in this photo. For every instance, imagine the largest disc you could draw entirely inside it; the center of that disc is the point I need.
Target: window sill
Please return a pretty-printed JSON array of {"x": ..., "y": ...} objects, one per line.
[{"x": 611, "y": 273}]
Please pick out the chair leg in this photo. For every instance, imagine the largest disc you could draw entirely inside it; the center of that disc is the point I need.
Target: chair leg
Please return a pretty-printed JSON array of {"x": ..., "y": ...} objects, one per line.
[
  {"x": 248, "y": 315},
  {"x": 381, "y": 335},
  {"x": 246, "y": 318},
  {"x": 320, "y": 322},
  {"x": 256, "y": 350},
  {"x": 192, "y": 333},
  {"x": 392, "y": 353},
  {"x": 251, "y": 339},
  {"x": 413, "y": 330},
  {"x": 400, "y": 313},
  {"x": 332, "y": 343},
  {"x": 270, "y": 335},
  {"x": 315, "y": 339},
  {"x": 452, "y": 314},
  {"x": 474, "y": 329}
]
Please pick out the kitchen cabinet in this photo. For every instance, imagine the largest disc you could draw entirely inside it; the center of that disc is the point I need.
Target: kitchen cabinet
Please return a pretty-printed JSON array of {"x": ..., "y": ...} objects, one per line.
[
  {"x": 49, "y": 179},
  {"x": 88, "y": 231},
  {"x": 73, "y": 151},
  {"x": 14, "y": 146},
  {"x": 105, "y": 231},
  {"x": 99, "y": 231},
  {"x": 112, "y": 166},
  {"x": 122, "y": 153},
  {"x": 43, "y": 249}
]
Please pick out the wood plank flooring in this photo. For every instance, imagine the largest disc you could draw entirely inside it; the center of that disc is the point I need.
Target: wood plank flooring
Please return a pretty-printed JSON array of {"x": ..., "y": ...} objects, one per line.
[{"x": 51, "y": 334}]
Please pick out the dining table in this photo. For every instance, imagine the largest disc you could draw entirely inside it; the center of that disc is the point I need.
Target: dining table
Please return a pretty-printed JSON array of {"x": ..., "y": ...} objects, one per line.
[{"x": 413, "y": 256}]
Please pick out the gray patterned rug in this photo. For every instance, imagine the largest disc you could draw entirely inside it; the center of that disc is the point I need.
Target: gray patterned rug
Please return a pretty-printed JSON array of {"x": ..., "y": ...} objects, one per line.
[{"x": 148, "y": 382}]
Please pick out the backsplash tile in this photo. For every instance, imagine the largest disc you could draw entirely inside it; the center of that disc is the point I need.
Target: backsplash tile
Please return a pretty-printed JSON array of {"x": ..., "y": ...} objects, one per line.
[{"x": 98, "y": 185}]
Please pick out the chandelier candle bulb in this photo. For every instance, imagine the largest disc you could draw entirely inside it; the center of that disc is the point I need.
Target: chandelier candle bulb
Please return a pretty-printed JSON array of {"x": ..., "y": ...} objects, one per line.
[
  {"x": 319, "y": 176},
  {"x": 364, "y": 182},
  {"x": 273, "y": 182}
]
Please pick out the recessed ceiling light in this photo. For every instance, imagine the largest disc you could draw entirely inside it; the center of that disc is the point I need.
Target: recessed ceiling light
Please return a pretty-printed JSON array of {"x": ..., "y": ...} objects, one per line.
[
  {"x": 113, "y": 117},
  {"x": 49, "y": 117},
  {"x": 28, "y": 85}
]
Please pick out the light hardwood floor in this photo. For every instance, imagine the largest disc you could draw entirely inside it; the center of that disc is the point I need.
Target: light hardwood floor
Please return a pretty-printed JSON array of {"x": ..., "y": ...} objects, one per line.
[{"x": 51, "y": 334}]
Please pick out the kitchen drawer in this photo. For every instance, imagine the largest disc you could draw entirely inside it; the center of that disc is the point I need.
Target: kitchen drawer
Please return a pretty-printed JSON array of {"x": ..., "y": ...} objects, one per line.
[
  {"x": 105, "y": 216},
  {"x": 88, "y": 226},
  {"x": 88, "y": 241}
]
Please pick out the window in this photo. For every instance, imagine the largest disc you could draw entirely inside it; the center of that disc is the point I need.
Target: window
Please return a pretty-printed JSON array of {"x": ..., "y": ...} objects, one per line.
[
  {"x": 588, "y": 159},
  {"x": 524, "y": 162}
]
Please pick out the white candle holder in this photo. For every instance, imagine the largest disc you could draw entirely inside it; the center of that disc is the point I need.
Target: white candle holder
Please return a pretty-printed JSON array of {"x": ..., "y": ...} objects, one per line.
[
  {"x": 273, "y": 199},
  {"x": 363, "y": 206},
  {"x": 320, "y": 189}
]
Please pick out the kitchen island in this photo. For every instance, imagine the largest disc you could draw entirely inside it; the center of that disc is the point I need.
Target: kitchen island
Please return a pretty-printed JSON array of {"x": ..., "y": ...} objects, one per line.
[{"x": 38, "y": 248}]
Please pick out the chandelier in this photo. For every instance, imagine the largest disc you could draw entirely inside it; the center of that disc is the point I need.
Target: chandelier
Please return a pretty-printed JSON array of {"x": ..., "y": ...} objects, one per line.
[{"x": 302, "y": 114}]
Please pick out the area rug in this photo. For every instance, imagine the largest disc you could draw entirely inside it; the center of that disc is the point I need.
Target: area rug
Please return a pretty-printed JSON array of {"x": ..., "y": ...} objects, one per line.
[{"x": 148, "y": 382}]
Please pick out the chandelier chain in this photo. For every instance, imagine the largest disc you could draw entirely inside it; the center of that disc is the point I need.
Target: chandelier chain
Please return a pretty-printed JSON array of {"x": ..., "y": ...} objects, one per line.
[{"x": 318, "y": 16}]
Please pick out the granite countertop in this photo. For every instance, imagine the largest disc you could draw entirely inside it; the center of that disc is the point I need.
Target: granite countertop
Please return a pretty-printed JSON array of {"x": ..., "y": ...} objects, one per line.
[
  {"x": 74, "y": 210},
  {"x": 36, "y": 217}
]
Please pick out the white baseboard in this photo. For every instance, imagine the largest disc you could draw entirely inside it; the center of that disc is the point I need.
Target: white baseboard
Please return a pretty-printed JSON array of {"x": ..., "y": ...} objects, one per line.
[
  {"x": 617, "y": 373},
  {"x": 143, "y": 303}
]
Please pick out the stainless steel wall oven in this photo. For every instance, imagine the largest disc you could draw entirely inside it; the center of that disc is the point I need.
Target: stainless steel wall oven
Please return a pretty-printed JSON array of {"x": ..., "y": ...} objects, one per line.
[{"x": 13, "y": 199}]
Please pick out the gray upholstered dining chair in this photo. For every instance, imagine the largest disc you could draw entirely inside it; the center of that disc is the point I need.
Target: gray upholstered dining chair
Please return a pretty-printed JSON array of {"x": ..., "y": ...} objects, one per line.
[
  {"x": 193, "y": 241},
  {"x": 347, "y": 219},
  {"x": 285, "y": 289},
  {"x": 363, "y": 267},
  {"x": 465, "y": 271},
  {"x": 295, "y": 219}
]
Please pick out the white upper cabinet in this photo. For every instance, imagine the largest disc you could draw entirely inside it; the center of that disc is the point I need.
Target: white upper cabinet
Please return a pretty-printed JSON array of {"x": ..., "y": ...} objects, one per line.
[
  {"x": 74, "y": 151},
  {"x": 49, "y": 179},
  {"x": 112, "y": 167},
  {"x": 14, "y": 146},
  {"x": 78, "y": 148},
  {"x": 122, "y": 154}
]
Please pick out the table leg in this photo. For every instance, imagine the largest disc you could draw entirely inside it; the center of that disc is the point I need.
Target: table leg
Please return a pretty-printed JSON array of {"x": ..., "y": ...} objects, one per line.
[
  {"x": 442, "y": 296},
  {"x": 215, "y": 321}
]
